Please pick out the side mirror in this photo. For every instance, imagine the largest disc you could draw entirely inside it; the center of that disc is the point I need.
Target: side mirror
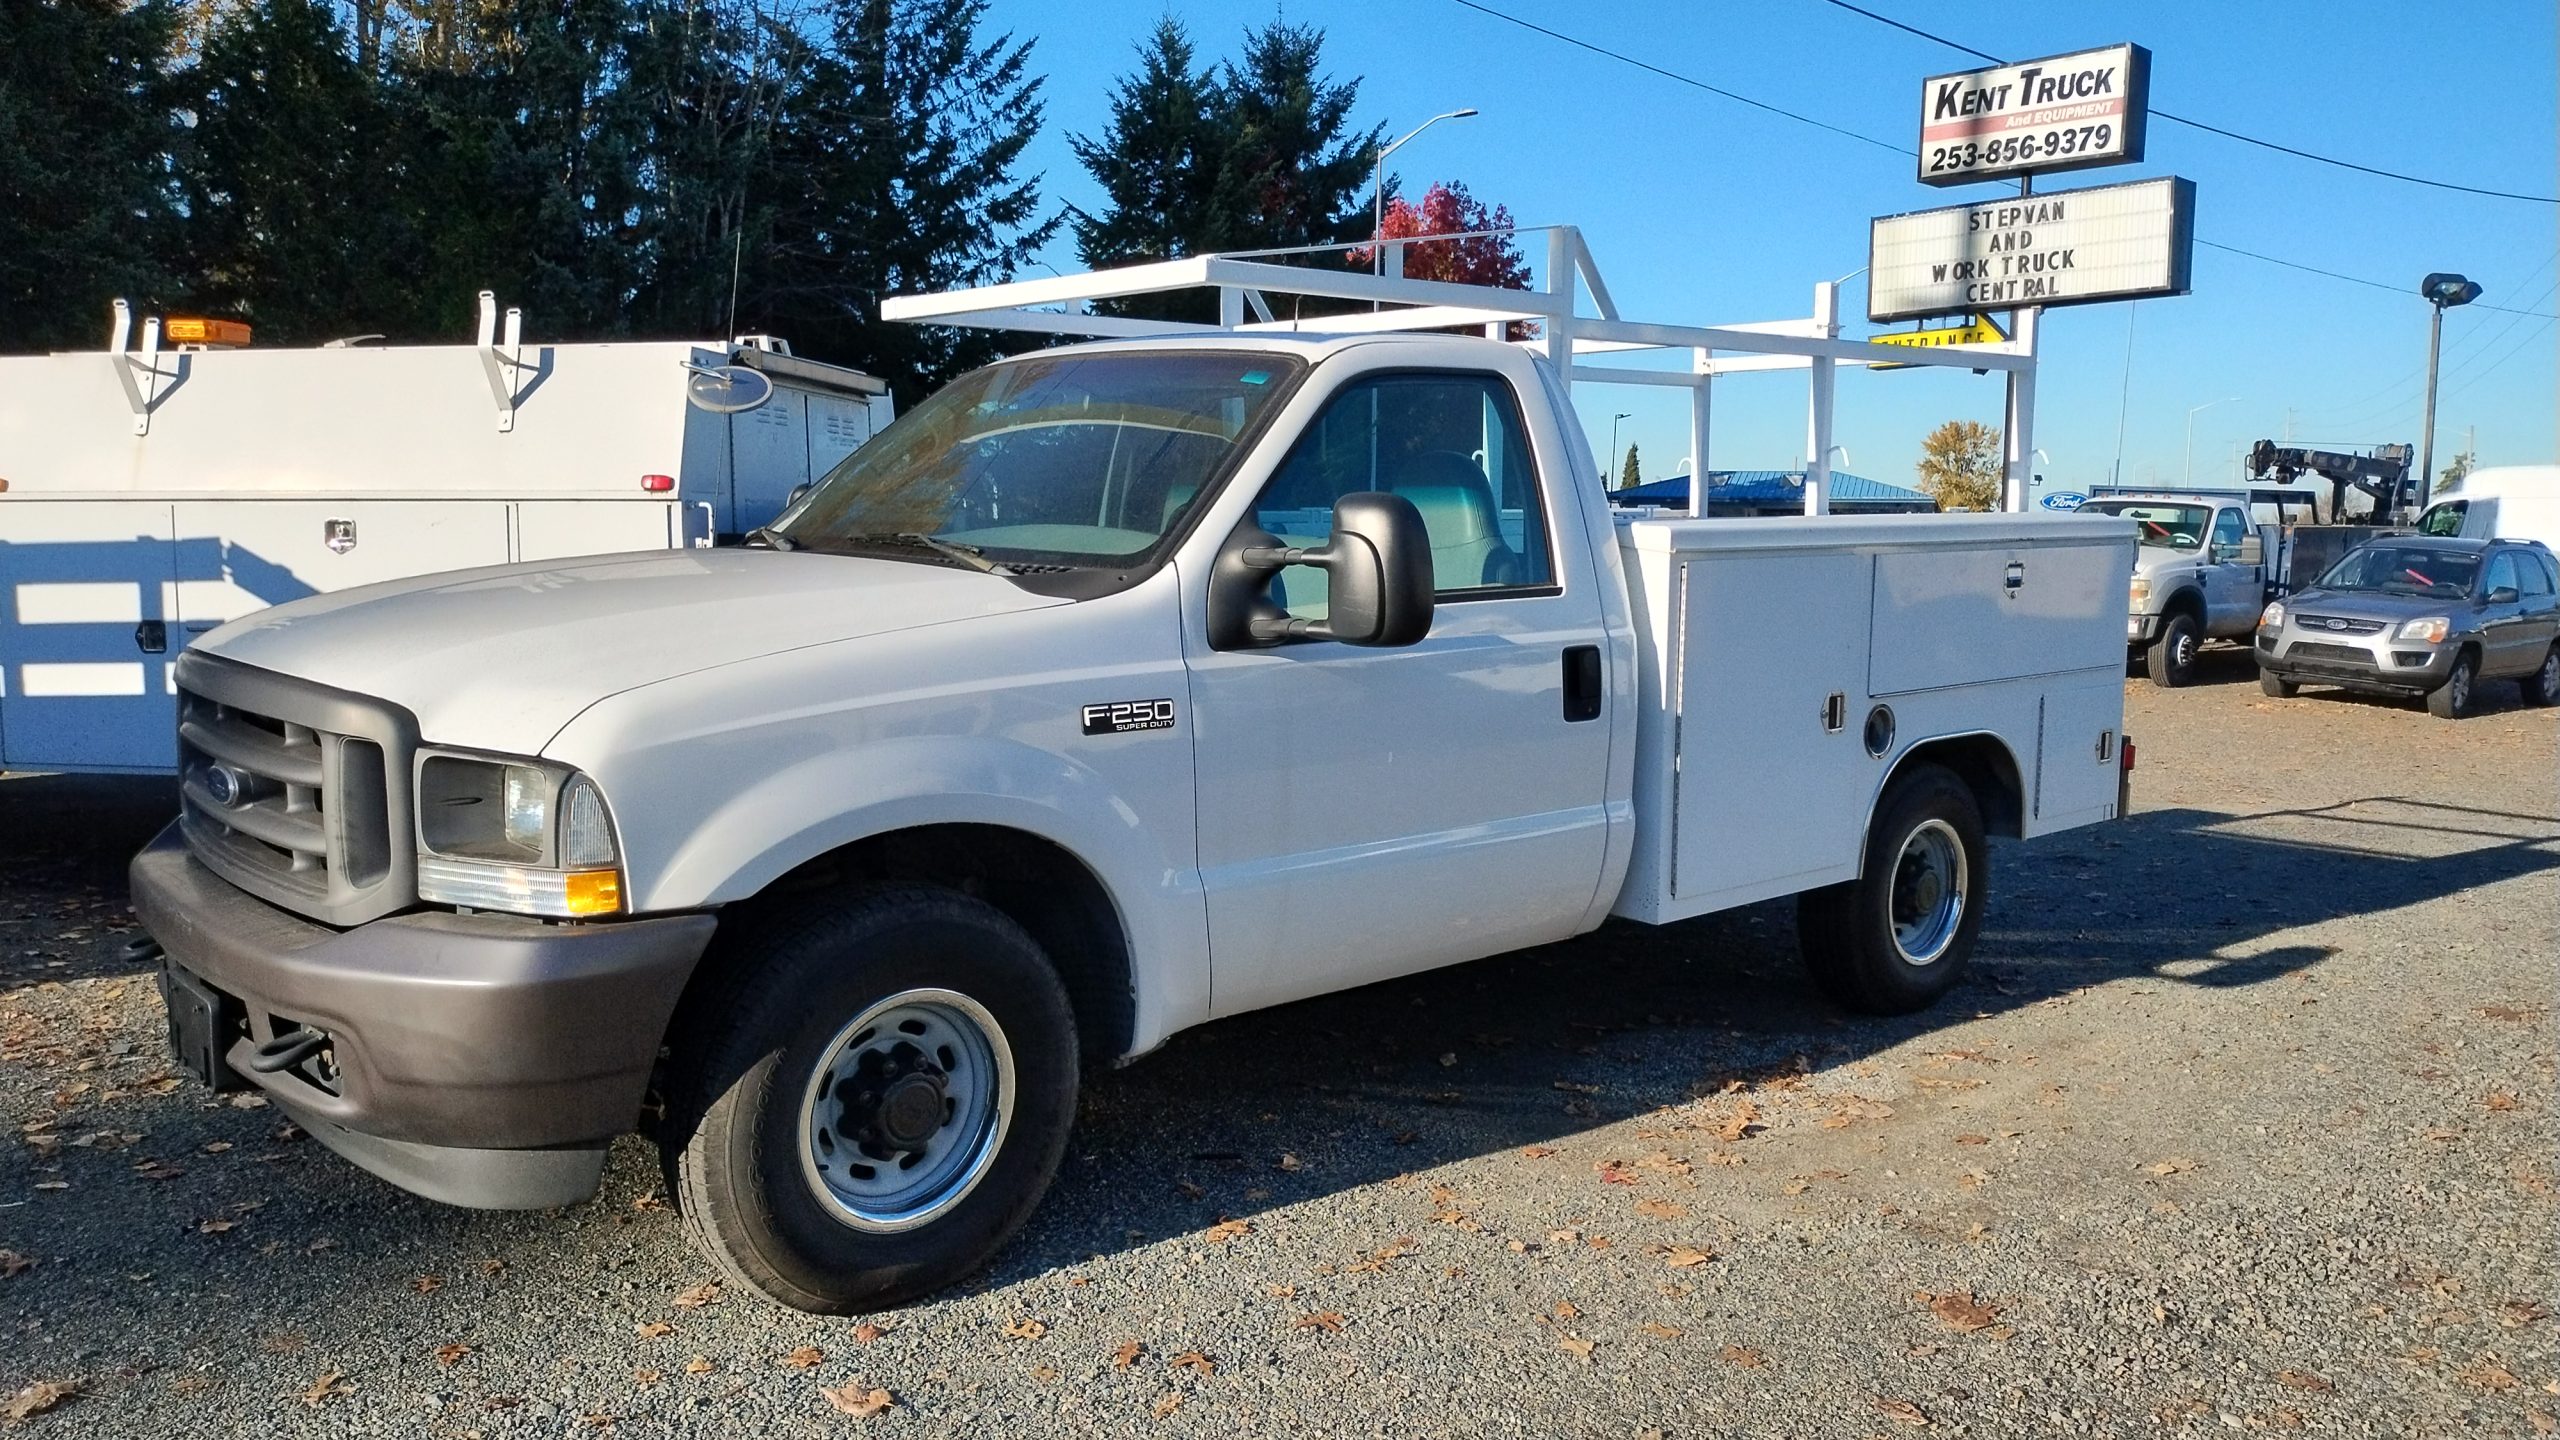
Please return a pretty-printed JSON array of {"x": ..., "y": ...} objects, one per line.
[
  {"x": 1377, "y": 577},
  {"x": 2253, "y": 550},
  {"x": 2503, "y": 595}
]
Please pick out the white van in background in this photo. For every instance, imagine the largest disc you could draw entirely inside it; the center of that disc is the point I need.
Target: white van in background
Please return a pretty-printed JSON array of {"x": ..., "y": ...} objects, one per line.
[{"x": 2504, "y": 502}]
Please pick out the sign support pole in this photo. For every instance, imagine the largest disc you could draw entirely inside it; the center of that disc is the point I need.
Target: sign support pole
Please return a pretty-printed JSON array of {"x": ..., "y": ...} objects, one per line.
[
  {"x": 1817, "y": 461},
  {"x": 2017, "y": 429}
]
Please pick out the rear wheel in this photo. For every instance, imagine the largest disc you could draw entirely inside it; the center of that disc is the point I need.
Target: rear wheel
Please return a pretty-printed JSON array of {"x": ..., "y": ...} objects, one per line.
[
  {"x": 2452, "y": 699},
  {"x": 2172, "y": 658},
  {"x": 2542, "y": 687},
  {"x": 874, "y": 1102},
  {"x": 2276, "y": 685},
  {"x": 1897, "y": 937}
]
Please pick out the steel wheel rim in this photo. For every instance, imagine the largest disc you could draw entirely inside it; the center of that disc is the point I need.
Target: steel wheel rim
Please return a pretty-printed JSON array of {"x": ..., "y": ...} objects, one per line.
[
  {"x": 2548, "y": 680},
  {"x": 2460, "y": 684},
  {"x": 2183, "y": 650},
  {"x": 871, "y": 1150},
  {"x": 1926, "y": 907}
]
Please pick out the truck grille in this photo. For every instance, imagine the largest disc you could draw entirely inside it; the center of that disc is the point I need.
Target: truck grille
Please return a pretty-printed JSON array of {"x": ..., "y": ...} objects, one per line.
[
  {"x": 2332, "y": 655},
  {"x": 295, "y": 792}
]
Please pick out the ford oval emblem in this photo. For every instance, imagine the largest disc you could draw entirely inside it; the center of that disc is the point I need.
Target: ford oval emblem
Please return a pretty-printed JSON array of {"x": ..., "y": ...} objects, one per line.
[
  {"x": 2063, "y": 500},
  {"x": 224, "y": 786}
]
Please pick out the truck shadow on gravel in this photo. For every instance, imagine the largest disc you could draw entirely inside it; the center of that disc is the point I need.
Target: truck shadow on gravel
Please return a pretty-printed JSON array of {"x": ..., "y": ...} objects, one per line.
[{"x": 1234, "y": 1119}]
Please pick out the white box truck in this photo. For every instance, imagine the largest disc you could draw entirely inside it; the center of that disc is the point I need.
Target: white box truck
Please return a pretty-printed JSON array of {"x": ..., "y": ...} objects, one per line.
[
  {"x": 1115, "y": 689},
  {"x": 149, "y": 495}
]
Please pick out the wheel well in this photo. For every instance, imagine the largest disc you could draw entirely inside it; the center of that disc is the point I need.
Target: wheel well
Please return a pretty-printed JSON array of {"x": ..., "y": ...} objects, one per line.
[
  {"x": 1043, "y": 887},
  {"x": 1986, "y": 767},
  {"x": 2189, "y": 601}
]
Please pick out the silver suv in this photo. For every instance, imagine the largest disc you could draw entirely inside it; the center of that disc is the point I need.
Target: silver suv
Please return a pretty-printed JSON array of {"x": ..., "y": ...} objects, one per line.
[{"x": 2416, "y": 615}]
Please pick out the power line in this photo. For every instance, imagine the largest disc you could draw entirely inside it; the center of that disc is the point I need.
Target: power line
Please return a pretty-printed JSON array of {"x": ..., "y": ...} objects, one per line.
[
  {"x": 1697, "y": 84},
  {"x": 2216, "y": 129},
  {"x": 1690, "y": 81}
]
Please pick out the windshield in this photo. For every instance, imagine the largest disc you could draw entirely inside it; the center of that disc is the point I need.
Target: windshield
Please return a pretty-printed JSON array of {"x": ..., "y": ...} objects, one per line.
[
  {"x": 1050, "y": 462},
  {"x": 2404, "y": 570},
  {"x": 2174, "y": 527}
]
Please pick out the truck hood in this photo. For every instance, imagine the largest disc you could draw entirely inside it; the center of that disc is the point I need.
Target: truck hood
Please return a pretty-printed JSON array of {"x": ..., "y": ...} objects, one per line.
[
  {"x": 2152, "y": 559},
  {"x": 501, "y": 658},
  {"x": 2375, "y": 605}
]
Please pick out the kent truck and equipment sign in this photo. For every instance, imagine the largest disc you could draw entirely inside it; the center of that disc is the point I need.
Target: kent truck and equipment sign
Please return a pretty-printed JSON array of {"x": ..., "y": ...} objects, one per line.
[{"x": 2064, "y": 112}]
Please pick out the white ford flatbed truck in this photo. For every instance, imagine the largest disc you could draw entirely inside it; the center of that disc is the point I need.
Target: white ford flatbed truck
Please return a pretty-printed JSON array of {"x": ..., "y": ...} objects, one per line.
[{"x": 1115, "y": 689}]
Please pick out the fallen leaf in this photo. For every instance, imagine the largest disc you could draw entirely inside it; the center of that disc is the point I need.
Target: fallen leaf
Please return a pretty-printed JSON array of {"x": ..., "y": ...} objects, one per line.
[
  {"x": 1127, "y": 1355},
  {"x": 645, "y": 1376},
  {"x": 216, "y": 1147},
  {"x": 1281, "y": 1292},
  {"x": 1661, "y": 1331},
  {"x": 332, "y": 1382},
  {"x": 696, "y": 1296},
  {"x": 1566, "y": 1310},
  {"x": 1046, "y": 1374},
  {"x": 1744, "y": 1121},
  {"x": 2174, "y": 1165},
  {"x": 2303, "y": 1380},
  {"x": 1167, "y": 1403},
  {"x": 648, "y": 1201},
  {"x": 39, "y": 1397},
  {"x": 699, "y": 1365},
  {"x": 1615, "y": 1172},
  {"x": 1327, "y": 1320},
  {"x": 1681, "y": 1257},
  {"x": 1537, "y": 1152},
  {"x": 1902, "y": 1412},
  {"x": 2499, "y": 1100},
  {"x": 1661, "y": 1209},
  {"x": 1578, "y": 1349},
  {"x": 1194, "y": 1360},
  {"x": 492, "y": 1267},
  {"x": 803, "y": 1358},
  {"x": 1960, "y": 1312},
  {"x": 655, "y": 1329},
  {"x": 1226, "y": 1230},
  {"x": 858, "y": 1400},
  {"x": 866, "y": 1332},
  {"x": 2487, "y": 1374},
  {"x": 12, "y": 1263},
  {"x": 427, "y": 1284},
  {"x": 1026, "y": 1329},
  {"x": 1288, "y": 1161},
  {"x": 213, "y": 1227},
  {"x": 1746, "y": 1356},
  {"x": 1973, "y": 1139},
  {"x": 451, "y": 1354}
]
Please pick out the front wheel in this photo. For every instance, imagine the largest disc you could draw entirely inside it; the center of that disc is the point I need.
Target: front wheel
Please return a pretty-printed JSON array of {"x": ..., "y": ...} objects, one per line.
[
  {"x": 871, "y": 1099},
  {"x": 2172, "y": 658},
  {"x": 2271, "y": 683},
  {"x": 1897, "y": 937},
  {"x": 2452, "y": 699}
]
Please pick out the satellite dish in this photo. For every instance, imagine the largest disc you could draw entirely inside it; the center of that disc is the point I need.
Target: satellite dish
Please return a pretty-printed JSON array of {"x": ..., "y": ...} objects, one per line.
[{"x": 727, "y": 389}]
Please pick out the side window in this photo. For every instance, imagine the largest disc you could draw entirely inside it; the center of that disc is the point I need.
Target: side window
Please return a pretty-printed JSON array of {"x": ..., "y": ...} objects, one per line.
[
  {"x": 1455, "y": 446},
  {"x": 2444, "y": 520},
  {"x": 2228, "y": 530},
  {"x": 2550, "y": 575},
  {"x": 2535, "y": 573},
  {"x": 2502, "y": 573}
]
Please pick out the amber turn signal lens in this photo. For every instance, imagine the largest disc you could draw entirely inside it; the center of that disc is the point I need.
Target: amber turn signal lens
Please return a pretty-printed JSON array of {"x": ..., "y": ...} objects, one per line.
[{"x": 594, "y": 892}]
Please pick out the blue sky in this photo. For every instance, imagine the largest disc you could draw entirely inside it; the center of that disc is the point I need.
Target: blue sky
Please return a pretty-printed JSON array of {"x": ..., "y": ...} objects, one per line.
[{"x": 1703, "y": 210}]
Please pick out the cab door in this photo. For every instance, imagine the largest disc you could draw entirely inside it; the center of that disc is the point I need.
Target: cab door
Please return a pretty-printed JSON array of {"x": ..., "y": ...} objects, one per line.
[
  {"x": 1364, "y": 812},
  {"x": 2512, "y": 636},
  {"x": 2234, "y": 588}
]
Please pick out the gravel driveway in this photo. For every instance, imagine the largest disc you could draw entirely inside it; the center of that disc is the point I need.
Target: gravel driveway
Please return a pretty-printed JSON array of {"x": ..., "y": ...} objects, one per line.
[{"x": 2244, "y": 1121}]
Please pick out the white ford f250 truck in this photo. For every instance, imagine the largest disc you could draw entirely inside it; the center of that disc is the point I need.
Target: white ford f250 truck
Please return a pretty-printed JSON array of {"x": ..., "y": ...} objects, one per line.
[{"x": 1115, "y": 689}]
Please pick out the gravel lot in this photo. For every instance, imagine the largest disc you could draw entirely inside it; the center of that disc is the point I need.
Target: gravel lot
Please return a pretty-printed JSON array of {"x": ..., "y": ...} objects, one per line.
[{"x": 2243, "y": 1122}]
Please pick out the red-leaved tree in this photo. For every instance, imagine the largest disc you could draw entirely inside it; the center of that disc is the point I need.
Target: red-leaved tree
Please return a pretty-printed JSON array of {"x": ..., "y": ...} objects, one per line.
[{"x": 1477, "y": 259}]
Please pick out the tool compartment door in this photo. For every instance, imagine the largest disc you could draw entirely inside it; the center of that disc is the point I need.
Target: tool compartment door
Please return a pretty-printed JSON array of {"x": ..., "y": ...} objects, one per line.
[
  {"x": 1770, "y": 799},
  {"x": 239, "y": 556},
  {"x": 86, "y": 635},
  {"x": 1946, "y": 617}
]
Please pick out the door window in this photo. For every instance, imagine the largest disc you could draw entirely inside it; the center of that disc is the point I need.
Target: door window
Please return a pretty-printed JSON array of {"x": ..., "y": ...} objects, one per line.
[
  {"x": 1453, "y": 445},
  {"x": 2502, "y": 573},
  {"x": 2537, "y": 572},
  {"x": 2228, "y": 532}
]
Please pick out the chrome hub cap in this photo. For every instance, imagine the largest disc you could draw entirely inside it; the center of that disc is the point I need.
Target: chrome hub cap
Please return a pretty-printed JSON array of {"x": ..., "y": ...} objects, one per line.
[
  {"x": 1929, "y": 882},
  {"x": 2185, "y": 652},
  {"x": 906, "y": 1109}
]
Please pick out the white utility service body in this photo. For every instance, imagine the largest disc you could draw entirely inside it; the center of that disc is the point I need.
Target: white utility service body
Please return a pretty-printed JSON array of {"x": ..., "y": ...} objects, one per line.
[
  {"x": 147, "y": 497},
  {"x": 990, "y": 758}
]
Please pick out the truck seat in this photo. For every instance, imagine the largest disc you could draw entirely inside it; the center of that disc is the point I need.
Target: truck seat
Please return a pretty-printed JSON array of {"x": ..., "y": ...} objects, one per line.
[{"x": 1456, "y": 501}]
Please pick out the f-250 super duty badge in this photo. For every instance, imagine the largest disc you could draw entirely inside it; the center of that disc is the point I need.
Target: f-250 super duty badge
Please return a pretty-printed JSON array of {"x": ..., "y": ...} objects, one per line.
[{"x": 1119, "y": 717}]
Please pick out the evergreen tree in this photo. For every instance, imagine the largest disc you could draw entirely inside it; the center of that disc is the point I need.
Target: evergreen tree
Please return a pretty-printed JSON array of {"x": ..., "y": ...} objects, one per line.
[
  {"x": 1629, "y": 475},
  {"x": 1287, "y": 174},
  {"x": 1155, "y": 161},
  {"x": 89, "y": 127}
]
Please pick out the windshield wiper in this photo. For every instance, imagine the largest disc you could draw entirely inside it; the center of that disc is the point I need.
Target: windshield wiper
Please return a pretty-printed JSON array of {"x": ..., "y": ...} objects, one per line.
[
  {"x": 968, "y": 555},
  {"x": 770, "y": 538}
]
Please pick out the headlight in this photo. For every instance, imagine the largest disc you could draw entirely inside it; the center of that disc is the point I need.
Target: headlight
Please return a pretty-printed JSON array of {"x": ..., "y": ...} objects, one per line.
[
  {"x": 2432, "y": 629},
  {"x": 2141, "y": 591},
  {"x": 2272, "y": 618},
  {"x": 515, "y": 835}
]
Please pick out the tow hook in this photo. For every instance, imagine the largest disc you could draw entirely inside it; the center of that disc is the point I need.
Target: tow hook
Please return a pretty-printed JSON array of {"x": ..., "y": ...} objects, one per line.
[{"x": 287, "y": 1050}]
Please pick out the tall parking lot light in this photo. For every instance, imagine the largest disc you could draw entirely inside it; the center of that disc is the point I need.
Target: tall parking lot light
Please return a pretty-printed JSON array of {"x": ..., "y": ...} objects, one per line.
[{"x": 2443, "y": 290}]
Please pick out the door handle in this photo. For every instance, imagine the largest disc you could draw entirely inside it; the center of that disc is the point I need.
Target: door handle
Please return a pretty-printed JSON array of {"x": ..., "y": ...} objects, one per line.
[
  {"x": 1582, "y": 683},
  {"x": 151, "y": 637}
]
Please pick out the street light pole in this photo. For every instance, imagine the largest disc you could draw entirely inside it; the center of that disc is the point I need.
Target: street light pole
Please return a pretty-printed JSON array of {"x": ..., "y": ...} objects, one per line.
[
  {"x": 2442, "y": 291},
  {"x": 2189, "y": 483},
  {"x": 1613, "y": 438},
  {"x": 1378, "y": 236}
]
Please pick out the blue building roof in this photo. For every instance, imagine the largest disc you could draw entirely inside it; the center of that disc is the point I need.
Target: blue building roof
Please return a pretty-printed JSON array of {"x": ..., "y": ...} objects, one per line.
[{"x": 1770, "y": 487}]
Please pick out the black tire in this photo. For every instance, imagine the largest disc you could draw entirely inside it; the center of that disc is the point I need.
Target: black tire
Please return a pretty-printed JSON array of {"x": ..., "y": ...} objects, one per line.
[
  {"x": 2276, "y": 685},
  {"x": 1847, "y": 932},
  {"x": 2452, "y": 700},
  {"x": 2542, "y": 687},
  {"x": 747, "y": 1057},
  {"x": 2172, "y": 658}
]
